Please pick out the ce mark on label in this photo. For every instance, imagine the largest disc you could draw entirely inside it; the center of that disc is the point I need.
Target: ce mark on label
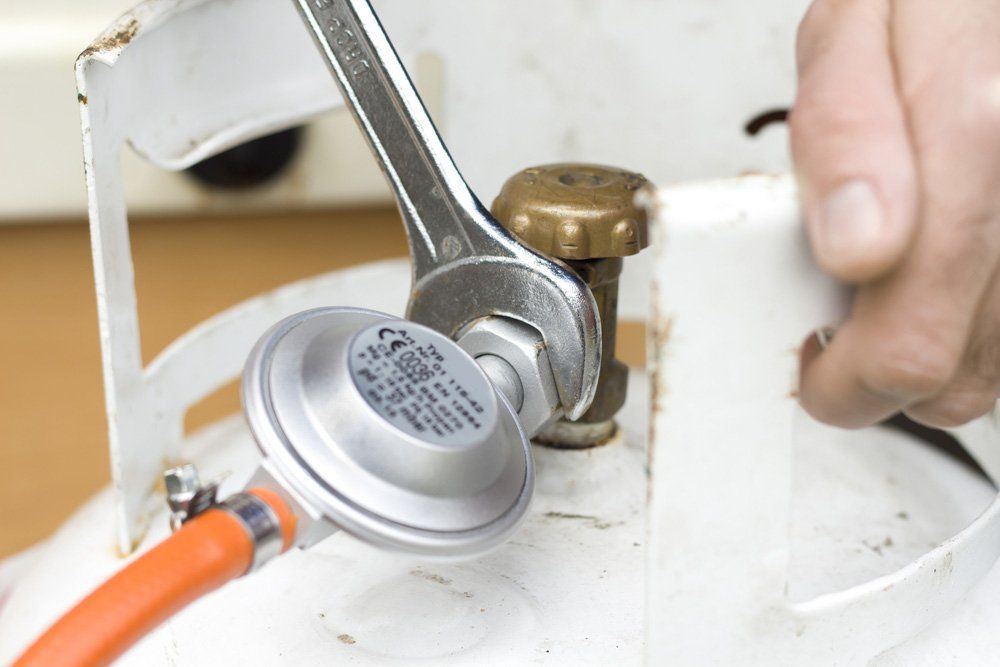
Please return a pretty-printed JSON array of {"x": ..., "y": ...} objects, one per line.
[{"x": 402, "y": 341}]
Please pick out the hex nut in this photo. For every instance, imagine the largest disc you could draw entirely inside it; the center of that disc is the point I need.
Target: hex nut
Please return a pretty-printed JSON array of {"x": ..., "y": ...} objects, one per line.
[
  {"x": 522, "y": 347},
  {"x": 504, "y": 377}
]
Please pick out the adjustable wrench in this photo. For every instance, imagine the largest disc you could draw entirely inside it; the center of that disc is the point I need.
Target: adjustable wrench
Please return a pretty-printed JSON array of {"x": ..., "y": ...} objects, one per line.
[{"x": 465, "y": 264}]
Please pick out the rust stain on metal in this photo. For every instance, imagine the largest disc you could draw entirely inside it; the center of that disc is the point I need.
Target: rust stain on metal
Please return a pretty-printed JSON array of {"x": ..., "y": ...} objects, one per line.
[
  {"x": 117, "y": 38},
  {"x": 430, "y": 576},
  {"x": 568, "y": 515},
  {"x": 438, "y": 579},
  {"x": 595, "y": 522},
  {"x": 661, "y": 337},
  {"x": 878, "y": 548},
  {"x": 81, "y": 98},
  {"x": 661, "y": 333},
  {"x": 347, "y": 639}
]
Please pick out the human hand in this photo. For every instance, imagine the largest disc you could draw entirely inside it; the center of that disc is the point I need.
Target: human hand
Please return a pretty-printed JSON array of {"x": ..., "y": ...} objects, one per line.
[{"x": 896, "y": 139}]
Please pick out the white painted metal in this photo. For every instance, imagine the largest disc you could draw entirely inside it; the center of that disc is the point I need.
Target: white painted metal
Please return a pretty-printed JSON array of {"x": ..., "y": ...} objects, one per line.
[
  {"x": 736, "y": 295},
  {"x": 666, "y": 88},
  {"x": 39, "y": 141}
]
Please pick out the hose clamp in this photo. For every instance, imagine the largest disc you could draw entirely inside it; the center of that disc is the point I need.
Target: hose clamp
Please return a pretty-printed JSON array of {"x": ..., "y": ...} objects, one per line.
[
  {"x": 188, "y": 497},
  {"x": 261, "y": 524}
]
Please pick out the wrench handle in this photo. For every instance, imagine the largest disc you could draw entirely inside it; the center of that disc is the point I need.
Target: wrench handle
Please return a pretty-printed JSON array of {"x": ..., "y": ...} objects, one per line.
[{"x": 444, "y": 219}]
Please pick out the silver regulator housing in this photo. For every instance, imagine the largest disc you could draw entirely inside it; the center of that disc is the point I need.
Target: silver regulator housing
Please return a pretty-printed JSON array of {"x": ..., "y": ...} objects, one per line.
[{"x": 389, "y": 430}]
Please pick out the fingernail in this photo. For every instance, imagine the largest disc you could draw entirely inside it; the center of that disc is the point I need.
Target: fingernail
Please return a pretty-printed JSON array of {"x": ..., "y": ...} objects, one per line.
[
  {"x": 824, "y": 336},
  {"x": 850, "y": 221}
]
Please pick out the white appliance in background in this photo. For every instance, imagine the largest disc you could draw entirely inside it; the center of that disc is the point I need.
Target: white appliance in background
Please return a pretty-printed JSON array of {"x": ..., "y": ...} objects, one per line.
[{"x": 660, "y": 87}]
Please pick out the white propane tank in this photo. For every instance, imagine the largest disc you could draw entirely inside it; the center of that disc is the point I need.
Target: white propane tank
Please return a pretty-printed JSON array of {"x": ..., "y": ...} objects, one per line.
[
  {"x": 719, "y": 526},
  {"x": 569, "y": 587}
]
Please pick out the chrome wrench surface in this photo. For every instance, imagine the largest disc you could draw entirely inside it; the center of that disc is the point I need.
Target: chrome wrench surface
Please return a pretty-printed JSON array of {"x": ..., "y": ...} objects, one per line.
[{"x": 465, "y": 265}]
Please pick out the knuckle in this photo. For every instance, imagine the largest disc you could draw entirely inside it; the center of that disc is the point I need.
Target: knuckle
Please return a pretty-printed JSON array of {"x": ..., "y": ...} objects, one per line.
[
  {"x": 953, "y": 410},
  {"x": 818, "y": 23},
  {"x": 983, "y": 357},
  {"x": 982, "y": 120},
  {"x": 912, "y": 371},
  {"x": 972, "y": 124},
  {"x": 827, "y": 411},
  {"x": 813, "y": 22},
  {"x": 979, "y": 113},
  {"x": 818, "y": 18},
  {"x": 821, "y": 118},
  {"x": 800, "y": 119}
]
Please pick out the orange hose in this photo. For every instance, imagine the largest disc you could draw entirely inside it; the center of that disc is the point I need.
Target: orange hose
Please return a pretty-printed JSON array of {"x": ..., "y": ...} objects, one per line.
[{"x": 207, "y": 552}]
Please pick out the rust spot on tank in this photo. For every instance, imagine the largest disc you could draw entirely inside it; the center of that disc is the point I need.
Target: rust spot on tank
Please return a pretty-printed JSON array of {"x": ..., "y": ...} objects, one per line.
[
  {"x": 660, "y": 337},
  {"x": 81, "y": 98},
  {"x": 430, "y": 576},
  {"x": 595, "y": 522},
  {"x": 347, "y": 639},
  {"x": 568, "y": 515},
  {"x": 116, "y": 38},
  {"x": 661, "y": 333}
]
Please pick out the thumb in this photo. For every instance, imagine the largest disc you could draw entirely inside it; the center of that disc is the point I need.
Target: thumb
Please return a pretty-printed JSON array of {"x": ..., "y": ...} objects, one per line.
[{"x": 850, "y": 141}]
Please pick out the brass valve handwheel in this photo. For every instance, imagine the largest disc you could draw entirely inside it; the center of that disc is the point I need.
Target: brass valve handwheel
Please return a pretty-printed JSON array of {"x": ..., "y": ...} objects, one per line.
[{"x": 586, "y": 216}]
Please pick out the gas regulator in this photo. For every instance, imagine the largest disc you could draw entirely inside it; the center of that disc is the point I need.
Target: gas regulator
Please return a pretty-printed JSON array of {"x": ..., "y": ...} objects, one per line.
[{"x": 414, "y": 434}]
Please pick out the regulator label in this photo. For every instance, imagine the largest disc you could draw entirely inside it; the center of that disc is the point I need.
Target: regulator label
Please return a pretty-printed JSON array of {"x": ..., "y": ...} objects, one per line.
[{"x": 422, "y": 383}]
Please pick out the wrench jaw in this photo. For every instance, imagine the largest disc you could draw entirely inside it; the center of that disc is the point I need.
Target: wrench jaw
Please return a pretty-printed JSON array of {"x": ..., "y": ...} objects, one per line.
[
  {"x": 466, "y": 265},
  {"x": 538, "y": 291}
]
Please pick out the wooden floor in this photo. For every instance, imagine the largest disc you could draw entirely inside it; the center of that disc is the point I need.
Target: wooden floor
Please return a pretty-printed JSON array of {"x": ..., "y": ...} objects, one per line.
[{"x": 53, "y": 447}]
